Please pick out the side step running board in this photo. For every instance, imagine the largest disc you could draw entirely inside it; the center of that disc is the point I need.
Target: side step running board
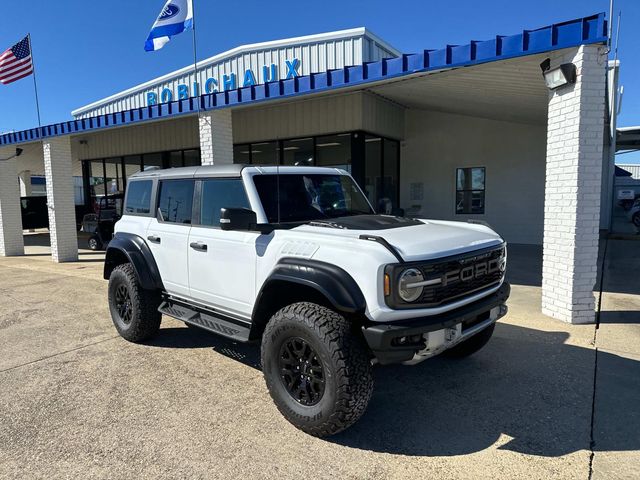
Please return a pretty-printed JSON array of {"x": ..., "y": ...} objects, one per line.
[{"x": 212, "y": 321}]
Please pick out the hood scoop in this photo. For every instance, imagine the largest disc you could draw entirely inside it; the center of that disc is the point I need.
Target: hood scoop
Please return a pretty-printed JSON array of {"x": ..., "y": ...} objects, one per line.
[{"x": 366, "y": 222}]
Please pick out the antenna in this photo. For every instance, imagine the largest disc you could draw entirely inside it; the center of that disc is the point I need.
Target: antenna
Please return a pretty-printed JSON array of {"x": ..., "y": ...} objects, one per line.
[
  {"x": 610, "y": 24},
  {"x": 615, "y": 57},
  {"x": 620, "y": 95}
]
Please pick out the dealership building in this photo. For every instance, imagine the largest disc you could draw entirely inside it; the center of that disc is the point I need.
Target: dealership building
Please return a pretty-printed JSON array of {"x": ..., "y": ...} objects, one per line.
[{"x": 461, "y": 132}]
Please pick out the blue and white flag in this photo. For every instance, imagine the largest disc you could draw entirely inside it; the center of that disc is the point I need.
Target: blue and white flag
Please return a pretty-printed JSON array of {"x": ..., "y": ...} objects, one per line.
[{"x": 175, "y": 17}]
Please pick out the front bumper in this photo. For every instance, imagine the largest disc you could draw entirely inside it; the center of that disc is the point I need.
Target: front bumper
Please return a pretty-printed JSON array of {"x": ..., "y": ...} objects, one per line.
[{"x": 383, "y": 339}]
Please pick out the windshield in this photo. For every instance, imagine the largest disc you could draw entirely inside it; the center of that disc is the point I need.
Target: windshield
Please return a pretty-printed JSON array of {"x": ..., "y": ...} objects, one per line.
[{"x": 305, "y": 197}]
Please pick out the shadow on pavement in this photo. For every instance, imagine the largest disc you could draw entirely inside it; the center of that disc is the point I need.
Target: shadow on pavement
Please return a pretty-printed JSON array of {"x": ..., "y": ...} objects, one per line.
[
  {"x": 526, "y": 386},
  {"x": 193, "y": 337},
  {"x": 620, "y": 317}
]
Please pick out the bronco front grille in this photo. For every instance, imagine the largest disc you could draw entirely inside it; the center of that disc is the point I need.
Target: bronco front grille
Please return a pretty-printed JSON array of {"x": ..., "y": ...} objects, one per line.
[{"x": 456, "y": 277}]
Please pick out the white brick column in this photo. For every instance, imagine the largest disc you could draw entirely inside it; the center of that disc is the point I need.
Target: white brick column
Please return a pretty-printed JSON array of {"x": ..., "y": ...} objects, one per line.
[
  {"x": 25, "y": 183},
  {"x": 60, "y": 199},
  {"x": 575, "y": 135},
  {"x": 216, "y": 137},
  {"x": 11, "y": 240}
]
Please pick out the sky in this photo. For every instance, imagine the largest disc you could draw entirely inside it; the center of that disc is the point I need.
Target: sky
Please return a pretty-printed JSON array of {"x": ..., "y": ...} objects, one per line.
[{"x": 88, "y": 50}]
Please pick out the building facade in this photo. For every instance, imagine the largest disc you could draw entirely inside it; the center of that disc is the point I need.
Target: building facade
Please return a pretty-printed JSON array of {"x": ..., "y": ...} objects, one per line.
[{"x": 468, "y": 132}]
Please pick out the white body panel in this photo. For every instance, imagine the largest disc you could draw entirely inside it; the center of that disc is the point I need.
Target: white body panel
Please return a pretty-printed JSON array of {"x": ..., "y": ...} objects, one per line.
[
  {"x": 225, "y": 274},
  {"x": 171, "y": 254},
  {"x": 230, "y": 274}
]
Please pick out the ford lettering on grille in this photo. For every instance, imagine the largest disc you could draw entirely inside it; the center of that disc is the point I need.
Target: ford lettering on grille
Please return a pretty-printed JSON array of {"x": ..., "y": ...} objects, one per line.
[{"x": 457, "y": 277}]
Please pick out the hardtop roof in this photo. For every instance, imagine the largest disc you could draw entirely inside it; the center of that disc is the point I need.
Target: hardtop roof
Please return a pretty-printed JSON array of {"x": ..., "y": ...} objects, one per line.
[{"x": 230, "y": 171}]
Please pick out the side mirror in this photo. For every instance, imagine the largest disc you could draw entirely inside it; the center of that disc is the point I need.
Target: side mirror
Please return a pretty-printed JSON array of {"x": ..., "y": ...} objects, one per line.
[{"x": 237, "y": 219}]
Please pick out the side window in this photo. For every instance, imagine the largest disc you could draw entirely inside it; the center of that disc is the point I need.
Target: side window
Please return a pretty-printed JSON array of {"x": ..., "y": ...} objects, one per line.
[
  {"x": 221, "y": 193},
  {"x": 176, "y": 200},
  {"x": 470, "y": 184},
  {"x": 139, "y": 197}
]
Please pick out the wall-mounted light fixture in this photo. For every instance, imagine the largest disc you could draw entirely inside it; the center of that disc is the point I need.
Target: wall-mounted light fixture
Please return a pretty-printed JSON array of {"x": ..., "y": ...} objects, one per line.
[
  {"x": 564, "y": 74},
  {"x": 17, "y": 154}
]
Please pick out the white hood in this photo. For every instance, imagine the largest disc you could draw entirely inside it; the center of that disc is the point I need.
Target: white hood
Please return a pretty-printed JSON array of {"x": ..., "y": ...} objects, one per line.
[{"x": 431, "y": 239}]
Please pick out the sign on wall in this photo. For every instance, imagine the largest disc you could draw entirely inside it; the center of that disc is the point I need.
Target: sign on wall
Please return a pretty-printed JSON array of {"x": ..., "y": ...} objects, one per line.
[{"x": 231, "y": 81}]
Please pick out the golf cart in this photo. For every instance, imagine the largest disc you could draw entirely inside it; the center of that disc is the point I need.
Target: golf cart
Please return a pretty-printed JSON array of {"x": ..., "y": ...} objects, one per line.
[{"x": 100, "y": 225}]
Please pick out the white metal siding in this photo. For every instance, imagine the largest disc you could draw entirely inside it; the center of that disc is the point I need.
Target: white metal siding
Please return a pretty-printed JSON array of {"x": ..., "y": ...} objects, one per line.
[
  {"x": 347, "y": 48},
  {"x": 631, "y": 168}
]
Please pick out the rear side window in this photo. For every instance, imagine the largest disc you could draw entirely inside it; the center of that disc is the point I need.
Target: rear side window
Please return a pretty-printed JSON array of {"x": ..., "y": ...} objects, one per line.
[
  {"x": 176, "y": 200},
  {"x": 221, "y": 193},
  {"x": 139, "y": 197}
]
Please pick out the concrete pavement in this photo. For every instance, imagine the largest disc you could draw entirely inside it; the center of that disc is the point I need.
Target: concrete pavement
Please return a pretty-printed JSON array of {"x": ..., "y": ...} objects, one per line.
[
  {"x": 79, "y": 401},
  {"x": 616, "y": 432}
]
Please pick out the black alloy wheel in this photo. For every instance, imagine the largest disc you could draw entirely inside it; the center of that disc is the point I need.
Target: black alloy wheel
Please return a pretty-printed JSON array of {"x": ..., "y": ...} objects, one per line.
[
  {"x": 301, "y": 371},
  {"x": 123, "y": 304}
]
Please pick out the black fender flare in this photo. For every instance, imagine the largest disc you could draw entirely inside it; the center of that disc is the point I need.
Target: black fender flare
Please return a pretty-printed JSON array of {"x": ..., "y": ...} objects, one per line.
[
  {"x": 137, "y": 252},
  {"x": 334, "y": 283}
]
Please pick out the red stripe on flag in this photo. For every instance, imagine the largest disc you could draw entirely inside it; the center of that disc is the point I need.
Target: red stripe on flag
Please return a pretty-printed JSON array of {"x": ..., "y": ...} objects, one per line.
[
  {"x": 11, "y": 77},
  {"x": 8, "y": 60},
  {"x": 5, "y": 68},
  {"x": 16, "y": 79}
]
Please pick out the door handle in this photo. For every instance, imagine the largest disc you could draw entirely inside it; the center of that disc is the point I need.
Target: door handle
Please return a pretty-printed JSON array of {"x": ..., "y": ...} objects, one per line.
[
  {"x": 201, "y": 247},
  {"x": 153, "y": 238}
]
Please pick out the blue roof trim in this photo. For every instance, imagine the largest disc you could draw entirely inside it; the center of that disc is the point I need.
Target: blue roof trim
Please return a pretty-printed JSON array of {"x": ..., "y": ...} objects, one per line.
[{"x": 573, "y": 33}]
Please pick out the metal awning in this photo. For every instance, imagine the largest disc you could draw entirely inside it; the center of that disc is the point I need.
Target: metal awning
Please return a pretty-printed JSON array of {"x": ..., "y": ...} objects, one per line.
[
  {"x": 627, "y": 138},
  {"x": 573, "y": 33}
]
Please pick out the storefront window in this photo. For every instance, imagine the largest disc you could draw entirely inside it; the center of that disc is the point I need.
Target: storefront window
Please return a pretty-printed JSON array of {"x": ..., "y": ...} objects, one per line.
[
  {"x": 390, "y": 168},
  {"x": 265, "y": 153},
  {"x": 152, "y": 160},
  {"x": 334, "y": 151},
  {"x": 242, "y": 154},
  {"x": 298, "y": 151},
  {"x": 114, "y": 180},
  {"x": 132, "y": 165},
  {"x": 97, "y": 185},
  {"x": 470, "y": 186},
  {"x": 192, "y": 158},
  {"x": 175, "y": 159},
  {"x": 373, "y": 171}
]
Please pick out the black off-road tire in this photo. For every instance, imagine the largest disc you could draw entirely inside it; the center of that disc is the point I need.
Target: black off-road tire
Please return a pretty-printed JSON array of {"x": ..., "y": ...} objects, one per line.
[
  {"x": 472, "y": 344},
  {"x": 346, "y": 367},
  {"x": 141, "y": 319},
  {"x": 636, "y": 219}
]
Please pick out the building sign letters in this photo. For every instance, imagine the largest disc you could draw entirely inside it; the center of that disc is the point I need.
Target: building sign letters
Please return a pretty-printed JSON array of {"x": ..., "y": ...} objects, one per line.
[{"x": 228, "y": 82}]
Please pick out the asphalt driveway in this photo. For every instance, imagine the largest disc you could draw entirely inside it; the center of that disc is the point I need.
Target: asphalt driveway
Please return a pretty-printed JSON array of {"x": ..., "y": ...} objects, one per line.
[{"x": 76, "y": 400}]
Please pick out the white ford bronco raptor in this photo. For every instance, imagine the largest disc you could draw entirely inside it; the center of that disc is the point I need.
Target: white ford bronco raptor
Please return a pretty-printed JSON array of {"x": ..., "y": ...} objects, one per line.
[{"x": 296, "y": 258}]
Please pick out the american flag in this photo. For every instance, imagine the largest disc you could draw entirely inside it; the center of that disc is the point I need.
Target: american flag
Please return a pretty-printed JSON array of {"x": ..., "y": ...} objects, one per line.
[{"x": 16, "y": 63}]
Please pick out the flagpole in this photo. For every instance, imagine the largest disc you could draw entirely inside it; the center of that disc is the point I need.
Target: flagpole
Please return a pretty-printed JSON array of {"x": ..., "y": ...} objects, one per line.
[
  {"x": 195, "y": 56},
  {"x": 35, "y": 84}
]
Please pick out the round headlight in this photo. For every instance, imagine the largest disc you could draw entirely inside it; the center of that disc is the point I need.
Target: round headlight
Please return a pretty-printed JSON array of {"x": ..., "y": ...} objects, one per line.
[{"x": 406, "y": 289}]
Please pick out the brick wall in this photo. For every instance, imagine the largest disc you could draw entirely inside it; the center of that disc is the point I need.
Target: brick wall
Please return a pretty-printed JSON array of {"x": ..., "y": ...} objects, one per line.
[
  {"x": 60, "y": 199},
  {"x": 11, "y": 240},
  {"x": 216, "y": 137},
  {"x": 575, "y": 131}
]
